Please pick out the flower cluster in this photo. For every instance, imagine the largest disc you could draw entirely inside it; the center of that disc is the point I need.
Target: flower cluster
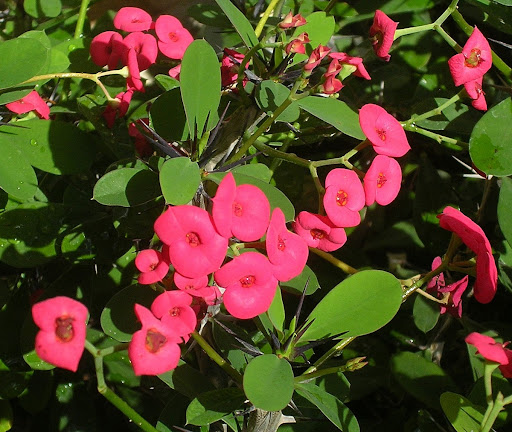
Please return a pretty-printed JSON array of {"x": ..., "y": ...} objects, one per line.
[
  {"x": 493, "y": 351},
  {"x": 195, "y": 243},
  {"x": 469, "y": 66},
  {"x": 138, "y": 50}
]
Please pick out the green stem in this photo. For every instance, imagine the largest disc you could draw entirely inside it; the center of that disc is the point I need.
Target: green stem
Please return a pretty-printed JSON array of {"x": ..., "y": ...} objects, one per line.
[
  {"x": 318, "y": 373},
  {"x": 497, "y": 406},
  {"x": 412, "y": 30},
  {"x": 436, "y": 111},
  {"x": 265, "y": 16},
  {"x": 331, "y": 4},
  {"x": 290, "y": 157},
  {"x": 334, "y": 261},
  {"x": 333, "y": 351},
  {"x": 468, "y": 29},
  {"x": 422, "y": 281},
  {"x": 449, "y": 10},
  {"x": 81, "y": 19},
  {"x": 277, "y": 161},
  {"x": 216, "y": 357},
  {"x": 451, "y": 143},
  {"x": 448, "y": 39}
]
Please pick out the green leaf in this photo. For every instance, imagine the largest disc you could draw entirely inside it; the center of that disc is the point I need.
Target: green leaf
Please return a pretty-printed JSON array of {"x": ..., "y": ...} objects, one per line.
[
  {"x": 179, "y": 180},
  {"x": 17, "y": 177},
  {"x": 331, "y": 406},
  {"x": 421, "y": 378},
  {"x": 55, "y": 146},
  {"x": 425, "y": 313},
  {"x": 276, "y": 311},
  {"x": 14, "y": 94},
  {"x": 335, "y": 112},
  {"x": 461, "y": 413},
  {"x": 118, "y": 319},
  {"x": 361, "y": 304},
  {"x": 489, "y": 143},
  {"x": 319, "y": 28},
  {"x": 240, "y": 22},
  {"x": 21, "y": 51},
  {"x": 257, "y": 170},
  {"x": 297, "y": 284},
  {"x": 270, "y": 95},
  {"x": 268, "y": 382},
  {"x": 28, "y": 233},
  {"x": 166, "y": 82},
  {"x": 505, "y": 208},
  {"x": 213, "y": 405},
  {"x": 43, "y": 8},
  {"x": 168, "y": 116},
  {"x": 200, "y": 85},
  {"x": 126, "y": 187},
  {"x": 274, "y": 195}
]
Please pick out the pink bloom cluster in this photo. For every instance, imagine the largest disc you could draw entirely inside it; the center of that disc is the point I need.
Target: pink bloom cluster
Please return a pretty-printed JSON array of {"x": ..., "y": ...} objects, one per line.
[
  {"x": 339, "y": 62},
  {"x": 493, "y": 351},
  {"x": 469, "y": 66},
  {"x": 475, "y": 239},
  {"x": 195, "y": 243},
  {"x": 31, "y": 102},
  {"x": 138, "y": 50}
]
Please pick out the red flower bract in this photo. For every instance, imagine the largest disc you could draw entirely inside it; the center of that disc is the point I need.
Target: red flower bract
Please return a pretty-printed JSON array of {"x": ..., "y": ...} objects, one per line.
[
  {"x": 173, "y": 309},
  {"x": 383, "y": 130},
  {"x": 132, "y": 19},
  {"x": 30, "y": 102},
  {"x": 493, "y": 351},
  {"x": 382, "y": 181},
  {"x": 319, "y": 232},
  {"x": 61, "y": 338},
  {"x": 153, "y": 349},
  {"x": 152, "y": 265},
  {"x": 107, "y": 49},
  {"x": 382, "y": 33},
  {"x": 195, "y": 248},
  {"x": 173, "y": 38},
  {"x": 250, "y": 285}
]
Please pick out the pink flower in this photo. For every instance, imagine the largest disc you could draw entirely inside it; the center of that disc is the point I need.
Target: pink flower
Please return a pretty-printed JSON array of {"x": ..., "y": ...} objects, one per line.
[
  {"x": 250, "y": 285},
  {"x": 118, "y": 108},
  {"x": 230, "y": 63},
  {"x": 334, "y": 68},
  {"x": 30, "y": 102},
  {"x": 475, "y": 92},
  {"x": 493, "y": 351},
  {"x": 152, "y": 265},
  {"x": 195, "y": 248},
  {"x": 486, "y": 277},
  {"x": 61, "y": 338},
  {"x": 296, "y": 46},
  {"x": 331, "y": 84},
  {"x": 474, "y": 60},
  {"x": 383, "y": 130},
  {"x": 382, "y": 181},
  {"x": 154, "y": 348},
  {"x": 140, "y": 52},
  {"x": 344, "y": 197},
  {"x": 357, "y": 62},
  {"x": 436, "y": 282},
  {"x": 132, "y": 19},
  {"x": 107, "y": 49},
  {"x": 382, "y": 33},
  {"x": 240, "y": 211},
  {"x": 173, "y": 309},
  {"x": 316, "y": 57},
  {"x": 197, "y": 287},
  {"x": 291, "y": 21},
  {"x": 173, "y": 38},
  {"x": 319, "y": 232},
  {"x": 175, "y": 72},
  {"x": 287, "y": 251}
]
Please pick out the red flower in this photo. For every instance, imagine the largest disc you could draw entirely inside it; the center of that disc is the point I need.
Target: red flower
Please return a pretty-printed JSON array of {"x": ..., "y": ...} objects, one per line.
[
  {"x": 118, "y": 108},
  {"x": 382, "y": 33},
  {"x": 250, "y": 285},
  {"x": 383, "y": 130},
  {"x": 175, "y": 72},
  {"x": 493, "y": 351},
  {"x": 240, "y": 211},
  {"x": 357, "y": 62},
  {"x": 230, "y": 63},
  {"x": 287, "y": 252},
  {"x": 319, "y": 232},
  {"x": 132, "y": 19},
  {"x": 153, "y": 349},
  {"x": 474, "y": 60},
  {"x": 173, "y": 38},
  {"x": 30, "y": 102},
  {"x": 139, "y": 53},
  {"x": 331, "y": 84},
  {"x": 316, "y": 57},
  {"x": 291, "y": 21},
  {"x": 475, "y": 92},
  {"x": 173, "y": 309},
  {"x": 152, "y": 265},
  {"x": 382, "y": 181},
  {"x": 296, "y": 46},
  {"x": 61, "y": 339},
  {"x": 107, "y": 49},
  {"x": 195, "y": 248},
  {"x": 197, "y": 287},
  {"x": 344, "y": 197}
]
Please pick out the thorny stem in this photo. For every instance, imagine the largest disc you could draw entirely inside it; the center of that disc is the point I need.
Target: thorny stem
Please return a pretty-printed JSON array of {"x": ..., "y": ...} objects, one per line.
[
  {"x": 265, "y": 16},
  {"x": 216, "y": 357},
  {"x": 81, "y": 19}
]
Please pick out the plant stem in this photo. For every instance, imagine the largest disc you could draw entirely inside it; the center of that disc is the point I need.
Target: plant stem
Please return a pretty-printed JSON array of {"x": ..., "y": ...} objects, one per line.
[
  {"x": 331, "y": 4},
  {"x": 412, "y": 30},
  {"x": 436, "y": 111},
  {"x": 333, "y": 351},
  {"x": 81, "y": 19},
  {"x": 265, "y": 16},
  {"x": 488, "y": 421},
  {"x": 451, "y": 143},
  {"x": 290, "y": 157},
  {"x": 318, "y": 373},
  {"x": 428, "y": 296},
  {"x": 334, "y": 261},
  {"x": 216, "y": 357}
]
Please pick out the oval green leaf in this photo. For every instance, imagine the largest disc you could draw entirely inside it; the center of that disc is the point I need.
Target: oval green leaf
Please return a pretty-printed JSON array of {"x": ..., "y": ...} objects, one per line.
[
  {"x": 270, "y": 95},
  {"x": 335, "y": 112},
  {"x": 43, "y": 8},
  {"x": 505, "y": 209},
  {"x": 126, "y": 187},
  {"x": 461, "y": 413},
  {"x": 17, "y": 177},
  {"x": 213, "y": 405},
  {"x": 179, "y": 180},
  {"x": 168, "y": 116},
  {"x": 361, "y": 304},
  {"x": 425, "y": 313},
  {"x": 489, "y": 145},
  {"x": 268, "y": 382},
  {"x": 200, "y": 85},
  {"x": 118, "y": 319},
  {"x": 55, "y": 146}
]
